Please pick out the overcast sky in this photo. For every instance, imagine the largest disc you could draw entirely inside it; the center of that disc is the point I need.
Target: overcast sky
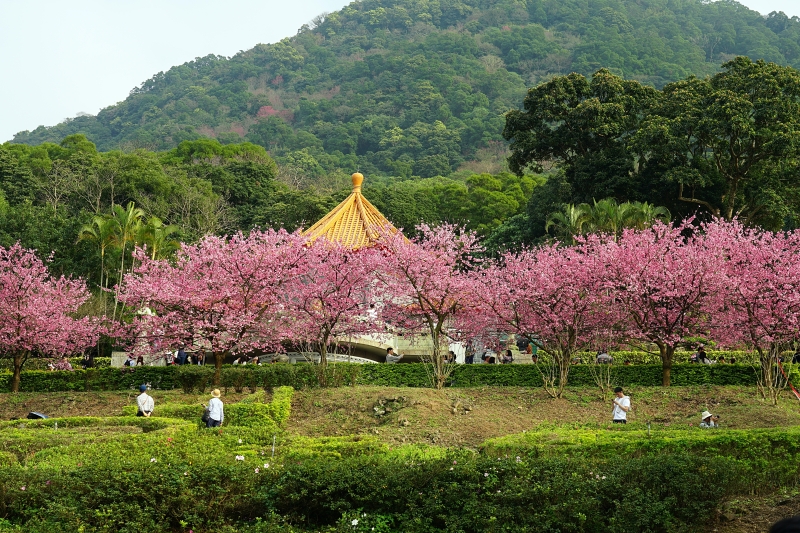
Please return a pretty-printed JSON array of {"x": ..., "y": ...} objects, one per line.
[{"x": 60, "y": 58}]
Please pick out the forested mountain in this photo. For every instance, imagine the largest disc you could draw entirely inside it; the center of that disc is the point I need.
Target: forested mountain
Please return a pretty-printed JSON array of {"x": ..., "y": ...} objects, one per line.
[
  {"x": 416, "y": 87},
  {"x": 416, "y": 94}
]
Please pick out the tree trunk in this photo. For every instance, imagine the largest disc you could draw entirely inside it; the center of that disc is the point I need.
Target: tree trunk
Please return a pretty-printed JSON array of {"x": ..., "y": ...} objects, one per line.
[
  {"x": 18, "y": 360},
  {"x": 730, "y": 201},
  {"x": 323, "y": 349},
  {"x": 666, "y": 352},
  {"x": 322, "y": 370},
  {"x": 563, "y": 373},
  {"x": 219, "y": 358}
]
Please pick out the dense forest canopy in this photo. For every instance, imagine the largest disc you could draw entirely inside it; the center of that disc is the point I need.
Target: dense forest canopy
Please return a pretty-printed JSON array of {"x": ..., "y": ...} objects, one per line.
[
  {"x": 415, "y": 88},
  {"x": 416, "y": 95},
  {"x": 71, "y": 199}
]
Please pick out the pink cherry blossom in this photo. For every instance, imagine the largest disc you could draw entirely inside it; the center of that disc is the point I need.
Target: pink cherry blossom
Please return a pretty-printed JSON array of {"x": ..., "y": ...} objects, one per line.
[
  {"x": 37, "y": 311},
  {"x": 221, "y": 294},
  {"x": 334, "y": 300},
  {"x": 666, "y": 284},
  {"x": 553, "y": 295},
  {"x": 426, "y": 289}
]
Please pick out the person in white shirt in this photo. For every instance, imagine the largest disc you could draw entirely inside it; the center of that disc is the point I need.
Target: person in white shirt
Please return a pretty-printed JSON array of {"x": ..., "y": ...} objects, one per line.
[
  {"x": 144, "y": 402},
  {"x": 709, "y": 420},
  {"x": 622, "y": 404},
  {"x": 216, "y": 414}
]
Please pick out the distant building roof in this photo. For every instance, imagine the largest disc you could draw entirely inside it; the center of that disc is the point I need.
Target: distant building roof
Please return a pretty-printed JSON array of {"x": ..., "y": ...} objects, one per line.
[{"x": 354, "y": 223}]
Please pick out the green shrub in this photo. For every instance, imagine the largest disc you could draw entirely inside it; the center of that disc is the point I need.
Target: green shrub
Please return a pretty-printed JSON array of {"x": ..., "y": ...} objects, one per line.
[
  {"x": 303, "y": 376},
  {"x": 193, "y": 377},
  {"x": 652, "y": 358},
  {"x": 40, "y": 363},
  {"x": 179, "y": 478},
  {"x": 232, "y": 377},
  {"x": 250, "y": 412},
  {"x": 7, "y": 458},
  {"x": 93, "y": 379}
]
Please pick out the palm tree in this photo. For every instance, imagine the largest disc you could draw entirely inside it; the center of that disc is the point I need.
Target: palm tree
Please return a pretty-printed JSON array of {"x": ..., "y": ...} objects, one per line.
[
  {"x": 608, "y": 216},
  {"x": 102, "y": 229},
  {"x": 570, "y": 221},
  {"x": 157, "y": 237},
  {"x": 646, "y": 214},
  {"x": 129, "y": 220}
]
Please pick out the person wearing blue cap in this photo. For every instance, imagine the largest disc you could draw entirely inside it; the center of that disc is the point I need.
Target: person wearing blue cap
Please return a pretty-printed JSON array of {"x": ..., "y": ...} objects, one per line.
[{"x": 144, "y": 402}]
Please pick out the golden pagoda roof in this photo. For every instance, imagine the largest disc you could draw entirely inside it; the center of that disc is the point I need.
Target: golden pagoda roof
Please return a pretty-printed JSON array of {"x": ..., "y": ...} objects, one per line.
[{"x": 354, "y": 223}]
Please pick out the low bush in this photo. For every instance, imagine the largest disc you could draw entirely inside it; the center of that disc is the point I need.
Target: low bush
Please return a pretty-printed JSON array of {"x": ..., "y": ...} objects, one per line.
[
  {"x": 192, "y": 378},
  {"x": 303, "y": 376},
  {"x": 653, "y": 358},
  {"x": 93, "y": 379},
  {"x": 40, "y": 363},
  {"x": 178, "y": 478},
  {"x": 457, "y": 492},
  {"x": 250, "y": 412}
]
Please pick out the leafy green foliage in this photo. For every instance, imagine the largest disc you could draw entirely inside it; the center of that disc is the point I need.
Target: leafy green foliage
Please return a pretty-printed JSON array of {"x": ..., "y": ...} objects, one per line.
[
  {"x": 725, "y": 143},
  {"x": 418, "y": 92},
  {"x": 670, "y": 484},
  {"x": 198, "y": 378},
  {"x": 413, "y": 89},
  {"x": 268, "y": 416}
]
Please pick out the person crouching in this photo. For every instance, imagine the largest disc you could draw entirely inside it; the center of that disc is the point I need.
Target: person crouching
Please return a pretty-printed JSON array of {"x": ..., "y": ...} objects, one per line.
[{"x": 709, "y": 420}]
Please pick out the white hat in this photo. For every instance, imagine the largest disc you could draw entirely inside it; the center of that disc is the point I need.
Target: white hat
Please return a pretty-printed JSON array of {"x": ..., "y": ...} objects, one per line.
[
  {"x": 705, "y": 415},
  {"x": 215, "y": 393}
]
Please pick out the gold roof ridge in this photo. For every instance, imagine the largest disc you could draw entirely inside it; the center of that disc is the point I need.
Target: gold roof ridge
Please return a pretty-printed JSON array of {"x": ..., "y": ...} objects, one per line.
[{"x": 354, "y": 223}]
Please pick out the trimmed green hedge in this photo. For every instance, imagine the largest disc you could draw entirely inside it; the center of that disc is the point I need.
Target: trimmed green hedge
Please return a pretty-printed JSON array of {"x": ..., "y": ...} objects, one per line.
[
  {"x": 195, "y": 378},
  {"x": 646, "y": 358},
  {"x": 251, "y": 412},
  {"x": 414, "y": 375},
  {"x": 159, "y": 377},
  {"x": 226, "y": 481},
  {"x": 40, "y": 363}
]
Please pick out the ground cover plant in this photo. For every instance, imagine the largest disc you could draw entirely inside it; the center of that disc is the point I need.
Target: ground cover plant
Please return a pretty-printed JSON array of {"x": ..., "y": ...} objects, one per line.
[{"x": 413, "y": 464}]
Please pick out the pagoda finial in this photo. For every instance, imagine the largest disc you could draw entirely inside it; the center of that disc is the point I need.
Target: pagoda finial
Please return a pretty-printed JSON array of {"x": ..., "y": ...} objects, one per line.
[{"x": 358, "y": 179}]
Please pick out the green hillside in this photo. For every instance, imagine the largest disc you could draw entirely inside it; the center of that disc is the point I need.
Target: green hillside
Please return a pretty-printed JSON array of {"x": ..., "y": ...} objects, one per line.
[{"x": 402, "y": 88}]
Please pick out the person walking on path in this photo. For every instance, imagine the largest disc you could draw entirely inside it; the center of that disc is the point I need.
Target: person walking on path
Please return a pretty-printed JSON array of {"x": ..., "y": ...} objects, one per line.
[
  {"x": 144, "y": 402},
  {"x": 622, "y": 404},
  {"x": 216, "y": 413}
]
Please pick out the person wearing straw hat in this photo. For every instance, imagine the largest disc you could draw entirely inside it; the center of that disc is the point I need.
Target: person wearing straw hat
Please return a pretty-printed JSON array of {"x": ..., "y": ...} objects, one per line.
[
  {"x": 216, "y": 414},
  {"x": 709, "y": 420},
  {"x": 144, "y": 402}
]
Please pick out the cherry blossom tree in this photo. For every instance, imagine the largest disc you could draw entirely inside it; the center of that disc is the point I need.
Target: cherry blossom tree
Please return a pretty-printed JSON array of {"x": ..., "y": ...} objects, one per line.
[
  {"x": 331, "y": 301},
  {"x": 763, "y": 295},
  {"x": 221, "y": 294},
  {"x": 37, "y": 311},
  {"x": 551, "y": 294},
  {"x": 667, "y": 285},
  {"x": 427, "y": 291}
]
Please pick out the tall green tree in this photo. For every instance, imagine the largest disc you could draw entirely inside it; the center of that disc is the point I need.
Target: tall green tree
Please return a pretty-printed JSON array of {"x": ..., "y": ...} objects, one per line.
[
  {"x": 731, "y": 142},
  {"x": 102, "y": 230},
  {"x": 583, "y": 126},
  {"x": 129, "y": 222}
]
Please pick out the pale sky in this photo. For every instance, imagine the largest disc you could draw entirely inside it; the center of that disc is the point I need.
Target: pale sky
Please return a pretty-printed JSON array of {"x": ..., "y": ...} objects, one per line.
[{"x": 60, "y": 58}]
